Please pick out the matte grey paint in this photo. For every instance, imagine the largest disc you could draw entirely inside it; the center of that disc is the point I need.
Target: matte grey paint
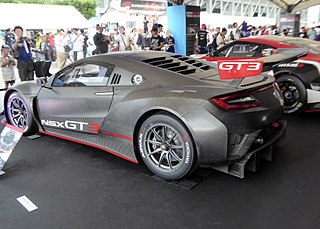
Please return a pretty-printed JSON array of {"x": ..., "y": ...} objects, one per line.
[{"x": 184, "y": 96}]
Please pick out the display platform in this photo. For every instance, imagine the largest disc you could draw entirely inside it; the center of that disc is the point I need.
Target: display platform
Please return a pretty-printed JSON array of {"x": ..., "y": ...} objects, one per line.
[{"x": 74, "y": 186}]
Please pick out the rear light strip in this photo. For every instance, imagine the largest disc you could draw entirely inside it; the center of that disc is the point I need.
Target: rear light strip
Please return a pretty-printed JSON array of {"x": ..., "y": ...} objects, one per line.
[{"x": 242, "y": 100}]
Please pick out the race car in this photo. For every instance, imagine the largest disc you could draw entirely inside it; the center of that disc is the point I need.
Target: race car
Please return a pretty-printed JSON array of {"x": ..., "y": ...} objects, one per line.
[
  {"x": 172, "y": 112},
  {"x": 298, "y": 80}
]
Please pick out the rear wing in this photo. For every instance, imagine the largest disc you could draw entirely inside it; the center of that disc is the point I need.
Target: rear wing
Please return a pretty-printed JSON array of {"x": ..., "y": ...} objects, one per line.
[
  {"x": 243, "y": 68},
  {"x": 283, "y": 55}
]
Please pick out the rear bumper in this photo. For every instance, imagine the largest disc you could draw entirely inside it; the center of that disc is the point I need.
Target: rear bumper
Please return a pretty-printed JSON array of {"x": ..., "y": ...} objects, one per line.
[{"x": 251, "y": 159}]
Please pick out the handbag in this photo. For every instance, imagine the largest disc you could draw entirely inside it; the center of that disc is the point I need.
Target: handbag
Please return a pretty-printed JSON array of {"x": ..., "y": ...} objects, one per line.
[
  {"x": 127, "y": 48},
  {"x": 67, "y": 48}
]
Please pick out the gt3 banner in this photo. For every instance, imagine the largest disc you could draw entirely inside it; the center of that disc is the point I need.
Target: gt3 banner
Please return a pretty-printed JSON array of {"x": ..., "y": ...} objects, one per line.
[
  {"x": 235, "y": 69},
  {"x": 9, "y": 137}
]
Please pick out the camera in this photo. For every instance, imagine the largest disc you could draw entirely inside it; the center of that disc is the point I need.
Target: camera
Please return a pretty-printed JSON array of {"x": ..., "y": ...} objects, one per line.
[{"x": 17, "y": 55}]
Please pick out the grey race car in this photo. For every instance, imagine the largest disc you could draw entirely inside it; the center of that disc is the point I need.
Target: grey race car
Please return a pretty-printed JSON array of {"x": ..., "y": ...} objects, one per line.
[{"x": 171, "y": 111}]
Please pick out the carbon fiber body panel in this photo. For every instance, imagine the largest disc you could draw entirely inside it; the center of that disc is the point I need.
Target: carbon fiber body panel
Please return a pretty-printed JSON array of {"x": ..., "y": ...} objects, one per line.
[
  {"x": 109, "y": 116},
  {"x": 113, "y": 144}
]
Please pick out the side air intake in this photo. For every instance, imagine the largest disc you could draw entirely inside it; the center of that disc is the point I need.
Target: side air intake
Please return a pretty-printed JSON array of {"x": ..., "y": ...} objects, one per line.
[{"x": 116, "y": 78}]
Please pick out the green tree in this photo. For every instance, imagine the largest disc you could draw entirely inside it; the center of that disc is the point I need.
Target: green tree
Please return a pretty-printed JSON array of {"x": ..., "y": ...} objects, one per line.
[{"x": 86, "y": 7}]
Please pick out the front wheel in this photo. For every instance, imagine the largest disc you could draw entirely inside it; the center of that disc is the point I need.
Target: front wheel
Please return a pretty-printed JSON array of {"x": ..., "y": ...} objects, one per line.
[
  {"x": 294, "y": 93},
  {"x": 18, "y": 113},
  {"x": 166, "y": 147}
]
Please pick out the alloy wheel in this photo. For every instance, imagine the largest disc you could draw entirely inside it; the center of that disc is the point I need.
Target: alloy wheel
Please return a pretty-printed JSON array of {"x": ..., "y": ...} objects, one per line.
[
  {"x": 290, "y": 94},
  {"x": 18, "y": 113},
  {"x": 164, "y": 146}
]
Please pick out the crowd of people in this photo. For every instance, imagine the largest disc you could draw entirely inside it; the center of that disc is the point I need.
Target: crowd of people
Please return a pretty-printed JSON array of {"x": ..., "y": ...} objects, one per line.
[
  {"x": 35, "y": 54},
  {"x": 215, "y": 38}
]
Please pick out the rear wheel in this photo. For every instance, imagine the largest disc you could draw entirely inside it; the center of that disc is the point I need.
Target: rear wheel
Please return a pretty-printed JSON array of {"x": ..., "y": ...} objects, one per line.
[
  {"x": 294, "y": 93},
  {"x": 166, "y": 147},
  {"x": 18, "y": 113}
]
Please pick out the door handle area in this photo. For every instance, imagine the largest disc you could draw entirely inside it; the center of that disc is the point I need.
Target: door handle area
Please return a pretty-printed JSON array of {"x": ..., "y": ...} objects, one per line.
[{"x": 103, "y": 93}]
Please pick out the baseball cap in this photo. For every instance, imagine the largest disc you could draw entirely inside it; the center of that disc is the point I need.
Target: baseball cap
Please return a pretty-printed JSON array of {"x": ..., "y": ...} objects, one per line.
[
  {"x": 203, "y": 26},
  {"x": 100, "y": 26}
]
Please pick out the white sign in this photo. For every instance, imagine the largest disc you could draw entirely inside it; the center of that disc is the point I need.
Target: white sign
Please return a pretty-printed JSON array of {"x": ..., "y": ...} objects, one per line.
[{"x": 27, "y": 203}]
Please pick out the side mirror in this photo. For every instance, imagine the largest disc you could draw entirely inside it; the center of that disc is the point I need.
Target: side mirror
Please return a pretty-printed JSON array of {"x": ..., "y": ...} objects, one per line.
[
  {"x": 41, "y": 81},
  {"x": 269, "y": 51},
  {"x": 213, "y": 53}
]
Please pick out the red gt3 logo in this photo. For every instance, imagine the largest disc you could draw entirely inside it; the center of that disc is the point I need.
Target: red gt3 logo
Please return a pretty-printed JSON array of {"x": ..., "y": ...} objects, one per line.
[{"x": 239, "y": 68}]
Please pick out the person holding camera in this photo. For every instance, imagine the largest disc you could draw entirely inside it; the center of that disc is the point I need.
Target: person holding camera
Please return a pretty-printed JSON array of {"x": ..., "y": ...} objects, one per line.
[
  {"x": 100, "y": 40},
  {"x": 22, "y": 50}
]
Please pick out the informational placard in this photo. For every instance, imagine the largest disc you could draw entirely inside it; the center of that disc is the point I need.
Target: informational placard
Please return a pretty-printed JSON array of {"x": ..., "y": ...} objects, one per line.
[
  {"x": 145, "y": 5},
  {"x": 291, "y": 22},
  {"x": 184, "y": 23},
  {"x": 192, "y": 27},
  {"x": 9, "y": 137}
]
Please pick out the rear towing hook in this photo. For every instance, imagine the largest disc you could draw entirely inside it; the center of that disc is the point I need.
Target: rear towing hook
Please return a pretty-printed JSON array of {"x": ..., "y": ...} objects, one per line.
[{"x": 259, "y": 140}]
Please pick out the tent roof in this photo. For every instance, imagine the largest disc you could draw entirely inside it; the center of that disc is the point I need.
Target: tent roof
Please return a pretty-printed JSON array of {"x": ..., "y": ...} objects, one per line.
[
  {"x": 37, "y": 16},
  {"x": 295, "y": 5}
]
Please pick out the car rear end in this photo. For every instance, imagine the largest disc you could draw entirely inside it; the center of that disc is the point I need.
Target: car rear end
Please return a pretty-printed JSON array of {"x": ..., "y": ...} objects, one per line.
[
  {"x": 253, "y": 117},
  {"x": 239, "y": 120}
]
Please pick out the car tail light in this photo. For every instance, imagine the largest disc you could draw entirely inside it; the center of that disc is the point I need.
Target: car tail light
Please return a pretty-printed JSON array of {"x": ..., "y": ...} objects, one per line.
[
  {"x": 242, "y": 100},
  {"x": 238, "y": 101}
]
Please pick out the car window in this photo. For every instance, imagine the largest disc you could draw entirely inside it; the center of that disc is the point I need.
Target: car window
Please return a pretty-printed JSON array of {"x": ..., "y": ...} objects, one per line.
[
  {"x": 82, "y": 75},
  {"x": 242, "y": 50},
  {"x": 224, "y": 52}
]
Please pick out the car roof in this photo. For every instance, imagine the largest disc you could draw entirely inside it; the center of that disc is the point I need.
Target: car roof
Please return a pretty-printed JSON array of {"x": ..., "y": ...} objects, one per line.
[
  {"x": 275, "y": 41},
  {"x": 157, "y": 62}
]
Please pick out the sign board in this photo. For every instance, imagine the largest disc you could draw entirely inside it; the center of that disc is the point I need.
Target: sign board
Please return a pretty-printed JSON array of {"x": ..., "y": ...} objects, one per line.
[
  {"x": 291, "y": 22},
  {"x": 9, "y": 137}
]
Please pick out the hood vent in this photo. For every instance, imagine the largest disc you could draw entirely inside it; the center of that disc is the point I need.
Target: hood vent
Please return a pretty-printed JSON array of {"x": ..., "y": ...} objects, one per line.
[{"x": 179, "y": 64}]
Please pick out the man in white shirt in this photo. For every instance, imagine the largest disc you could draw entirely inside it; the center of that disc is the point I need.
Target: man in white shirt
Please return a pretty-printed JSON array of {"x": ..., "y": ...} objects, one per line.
[
  {"x": 59, "y": 43},
  {"x": 77, "y": 43},
  {"x": 123, "y": 39},
  {"x": 221, "y": 39}
]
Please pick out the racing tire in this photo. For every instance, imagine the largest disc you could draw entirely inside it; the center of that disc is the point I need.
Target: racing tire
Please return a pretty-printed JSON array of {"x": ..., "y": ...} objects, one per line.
[
  {"x": 166, "y": 147},
  {"x": 18, "y": 113},
  {"x": 294, "y": 93}
]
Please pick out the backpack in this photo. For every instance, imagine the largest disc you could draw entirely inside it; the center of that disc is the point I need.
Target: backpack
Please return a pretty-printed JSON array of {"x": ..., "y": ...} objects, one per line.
[
  {"x": 214, "y": 43},
  {"x": 232, "y": 36},
  {"x": 213, "y": 46},
  {"x": 52, "y": 52}
]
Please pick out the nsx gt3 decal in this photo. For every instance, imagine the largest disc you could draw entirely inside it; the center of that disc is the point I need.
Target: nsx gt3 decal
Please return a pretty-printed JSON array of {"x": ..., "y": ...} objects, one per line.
[
  {"x": 239, "y": 69},
  {"x": 72, "y": 125},
  {"x": 94, "y": 127}
]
